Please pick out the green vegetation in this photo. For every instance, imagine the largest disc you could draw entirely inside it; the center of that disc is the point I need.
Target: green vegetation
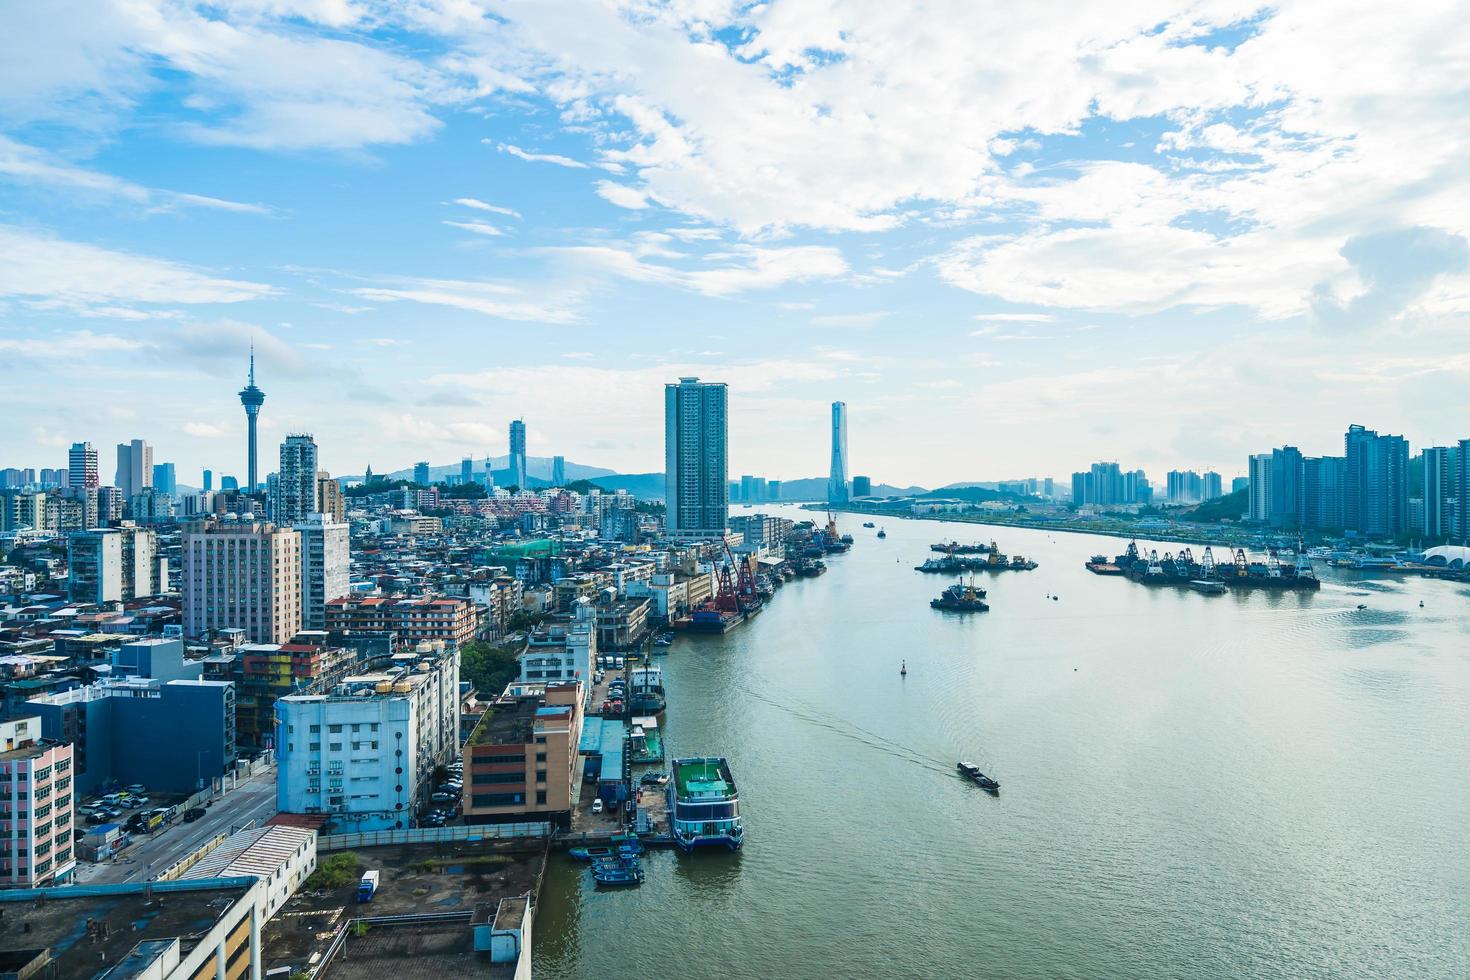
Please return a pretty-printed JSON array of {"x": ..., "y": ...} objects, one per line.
[
  {"x": 378, "y": 486},
  {"x": 523, "y": 621},
  {"x": 335, "y": 871},
  {"x": 488, "y": 668},
  {"x": 1232, "y": 507}
]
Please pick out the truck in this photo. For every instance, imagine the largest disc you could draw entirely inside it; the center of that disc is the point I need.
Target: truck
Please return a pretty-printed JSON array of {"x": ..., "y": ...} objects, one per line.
[{"x": 368, "y": 887}]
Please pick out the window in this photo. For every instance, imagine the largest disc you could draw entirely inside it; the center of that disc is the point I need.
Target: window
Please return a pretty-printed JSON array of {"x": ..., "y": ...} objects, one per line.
[
  {"x": 540, "y": 756},
  {"x": 541, "y": 797},
  {"x": 335, "y": 746},
  {"x": 316, "y": 729},
  {"x": 334, "y": 729},
  {"x": 316, "y": 746}
]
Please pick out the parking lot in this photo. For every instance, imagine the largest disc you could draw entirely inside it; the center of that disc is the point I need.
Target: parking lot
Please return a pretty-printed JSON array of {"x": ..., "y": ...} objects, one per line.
[{"x": 446, "y": 801}]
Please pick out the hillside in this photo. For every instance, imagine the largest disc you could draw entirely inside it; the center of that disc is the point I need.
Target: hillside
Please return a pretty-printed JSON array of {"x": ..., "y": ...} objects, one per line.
[{"x": 1232, "y": 507}]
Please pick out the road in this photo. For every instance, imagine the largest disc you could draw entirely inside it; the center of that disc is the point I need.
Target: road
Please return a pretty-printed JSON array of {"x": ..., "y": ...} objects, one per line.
[{"x": 253, "y": 799}]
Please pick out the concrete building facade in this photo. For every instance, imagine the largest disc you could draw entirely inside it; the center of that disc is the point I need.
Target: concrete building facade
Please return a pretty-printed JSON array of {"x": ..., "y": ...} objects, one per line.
[
  {"x": 37, "y": 806},
  {"x": 245, "y": 575},
  {"x": 696, "y": 459}
]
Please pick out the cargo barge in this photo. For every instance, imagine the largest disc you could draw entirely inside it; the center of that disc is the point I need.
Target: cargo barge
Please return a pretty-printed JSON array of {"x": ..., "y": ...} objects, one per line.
[{"x": 1207, "y": 575}]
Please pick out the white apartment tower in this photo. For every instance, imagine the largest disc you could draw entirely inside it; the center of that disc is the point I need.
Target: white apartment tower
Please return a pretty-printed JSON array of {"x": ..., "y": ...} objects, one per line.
[
  {"x": 324, "y": 567},
  {"x": 696, "y": 428},
  {"x": 296, "y": 491},
  {"x": 134, "y": 468}
]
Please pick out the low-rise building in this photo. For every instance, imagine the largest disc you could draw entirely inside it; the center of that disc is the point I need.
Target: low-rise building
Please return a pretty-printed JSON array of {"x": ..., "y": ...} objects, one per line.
[
  {"x": 37, "y": 808},
  {"x": 563, "y": 651},
  {"x": 281, "y": 857},
  {"x": 521, "y": 760},
  {"x": 364, "y": 753},
  {"x": 447, "y": 619}
]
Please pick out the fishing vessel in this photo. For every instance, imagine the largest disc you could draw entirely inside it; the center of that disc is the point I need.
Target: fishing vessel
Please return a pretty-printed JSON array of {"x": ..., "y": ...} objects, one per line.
[
  {"x": 646, "y": 695},
  {"x": 704, "y": 807}
]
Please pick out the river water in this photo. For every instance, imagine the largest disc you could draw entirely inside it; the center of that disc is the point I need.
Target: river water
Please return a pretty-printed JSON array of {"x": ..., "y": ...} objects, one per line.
[{"x": 1193, "y": 786}]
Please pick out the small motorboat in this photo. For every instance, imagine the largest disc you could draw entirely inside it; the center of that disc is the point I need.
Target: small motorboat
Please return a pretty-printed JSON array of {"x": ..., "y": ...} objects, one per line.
[
  {"x": 1362, "y": 605},
  {"x": 903, "y": 671},
  {"x": 882, "y": 533},
  {"x": 615, "y": 875}
]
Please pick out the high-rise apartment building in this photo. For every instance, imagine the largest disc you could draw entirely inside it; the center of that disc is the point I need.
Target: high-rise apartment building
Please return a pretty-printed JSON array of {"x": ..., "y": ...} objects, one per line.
[
  {"x": 242, "y": 574},
  {"x": 1285, "y": 508},
  {"x": 134, "y": 467},
  {"x": 208, "y": 480},
  {"x": 251, "y": 398},
  {"x": 38, "y": 831},
  {"x": 1322, "y": 480},
  {"x": 466, "y": 471},
  {"x": 295, "y": 496},
  {"x": 421, "y": 472},
  {"x": 558, "y": 471},
  {"x": 1258, "y": 507},
  {"x": 94, "y": 566},
  {"x": 518, "y": 453},
  {"x": 110, "y": 505},
  {"x": 1460, "y": 519},
  {"x": 1439, "y": 498},
  {"x": 837, "y": 490},
  {"x": 1376, "y": 491},
  {"x": 82, "y": 481},
  {"x": 329, "y": 499},
  {"x": 1214, "y": 485},
  {"x": 324, "y": 567},
  {"x": 696, "y": 443}
]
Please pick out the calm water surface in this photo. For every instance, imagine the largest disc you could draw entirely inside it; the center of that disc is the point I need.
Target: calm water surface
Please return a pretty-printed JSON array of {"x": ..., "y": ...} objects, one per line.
[{"x": 1193, "y": 786}]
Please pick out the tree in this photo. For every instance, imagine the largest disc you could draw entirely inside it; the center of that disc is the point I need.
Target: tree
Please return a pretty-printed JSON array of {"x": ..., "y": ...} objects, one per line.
[{"x": 488, "y": 668}]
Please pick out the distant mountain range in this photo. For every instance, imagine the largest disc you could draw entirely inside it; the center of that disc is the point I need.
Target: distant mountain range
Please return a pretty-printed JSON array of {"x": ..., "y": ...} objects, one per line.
[{"x": 644, "y": 486}]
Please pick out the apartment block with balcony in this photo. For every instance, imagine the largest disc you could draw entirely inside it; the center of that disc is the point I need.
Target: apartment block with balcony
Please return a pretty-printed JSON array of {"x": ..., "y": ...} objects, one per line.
[
  {"x": 447, "y": 619},
  {"x": 37, "y": 806}
]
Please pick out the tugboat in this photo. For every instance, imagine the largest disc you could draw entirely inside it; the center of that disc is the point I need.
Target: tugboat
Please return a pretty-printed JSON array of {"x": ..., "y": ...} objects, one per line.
[
  {"x": 979, "y": 778},
  {"x": 961, "y": 598}
]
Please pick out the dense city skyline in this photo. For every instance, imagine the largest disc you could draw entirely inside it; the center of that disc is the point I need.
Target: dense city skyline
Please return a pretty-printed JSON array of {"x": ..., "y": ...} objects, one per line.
[{"x": 1179, "y": 232}]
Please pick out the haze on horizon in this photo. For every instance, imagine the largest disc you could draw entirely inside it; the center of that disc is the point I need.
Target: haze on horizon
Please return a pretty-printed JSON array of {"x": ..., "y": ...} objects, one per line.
[{"x": 1170, "y": 234}]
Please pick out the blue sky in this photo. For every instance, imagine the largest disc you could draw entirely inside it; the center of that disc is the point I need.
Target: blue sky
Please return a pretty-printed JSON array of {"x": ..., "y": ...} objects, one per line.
[{"x": 1013, "y": 240}]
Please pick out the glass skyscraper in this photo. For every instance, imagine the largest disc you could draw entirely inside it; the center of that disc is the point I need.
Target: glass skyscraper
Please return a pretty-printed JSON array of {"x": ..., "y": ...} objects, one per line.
[
  {"x": 837, "y": 492},
  {"x": 518, "y": 453},
  {"x": 696, "y": 458}
]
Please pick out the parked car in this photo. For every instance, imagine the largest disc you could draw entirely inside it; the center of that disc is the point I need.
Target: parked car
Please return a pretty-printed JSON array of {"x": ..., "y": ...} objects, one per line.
[
  {"x": 597, "y": 805},
  {"x": 137, "y": 788},
  {"x": 141, "y": 801},
  {"x": 193, "y": 813},
  {"x": 114, "y": 812},
  {"x": 441, "y": 798}
]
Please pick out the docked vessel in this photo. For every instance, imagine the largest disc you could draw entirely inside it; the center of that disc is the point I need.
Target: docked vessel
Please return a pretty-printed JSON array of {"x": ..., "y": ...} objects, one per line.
[
  {"x": 961, "y": 598},
  {"x": 955, "y": 548},
  {"x": 646, "y": 695},
  {"x": 995, "y": 561},
  {"x": 1209, "y": 586},
  {"x": 948, "y": 565},
  {"x": 1103, "y": 565},
  {"x": 1183, "y": 569},
  {"x": 811, "y": 568},
  {"x": 704, "y": 807},
  {"x": 974, "y": 775}
]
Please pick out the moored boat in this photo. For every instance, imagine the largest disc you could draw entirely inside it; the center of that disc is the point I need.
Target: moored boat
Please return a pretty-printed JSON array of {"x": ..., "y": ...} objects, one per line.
[
  {"x": 704, "y": 806},
  {"x": 961, "y": 598}
]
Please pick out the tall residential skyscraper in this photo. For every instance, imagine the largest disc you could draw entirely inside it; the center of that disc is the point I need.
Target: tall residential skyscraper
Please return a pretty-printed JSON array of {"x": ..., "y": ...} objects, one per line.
[
  {"x": 518, "y": 453},
  {"x": 296, "y": 491},
  {"x": 421, "y": 473},
  {"x": 242, "y": 575},
  {"x": 696, "y": 434},
  {"x": 82, "y": 480},
  {"x": 558, "y": 471},
  {"x": 466, "y": 471},
  {"x": 134, "y": 468},
  {"x": 1376, "y": 491},
  {"x": 324, "y": 567},
  {"x": 1285, "y": 509},
  {"x": 1439, "y": 499},
  {"x": 1322, "y": 479},
  {"x": 252, "y": 398},
  {"x": 1258, "y": 507},
  {"x": 837, "y": 491},
  {"x": 1460, "y": 524},
  {"x": 208, "y": 480}
]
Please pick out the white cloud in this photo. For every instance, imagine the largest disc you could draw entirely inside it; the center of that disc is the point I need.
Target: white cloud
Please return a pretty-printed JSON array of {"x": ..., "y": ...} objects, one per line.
[
  {"x": 46, "y": 272},
  {"x": 741, "y": 268},
  {"x": 204, "y": 430},
  {"x": 500, "y": 300},
  {"x": 478, "y": 227},
  {"x": 478, "y": 205},
  {"x": 858, "y": 320},
  {"x": 1015, "y": 317},
  {"x": 529, "y": 157},
  {"x": 30, "y": 164},
  {"x": 622, "y": 195}
]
